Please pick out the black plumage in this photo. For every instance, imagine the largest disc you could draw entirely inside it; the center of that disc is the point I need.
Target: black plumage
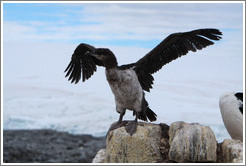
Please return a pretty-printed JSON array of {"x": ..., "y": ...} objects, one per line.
[
  {"x": 172, "y": 47},
  {"x": 239, "y": 96},
  {"x": 82, "y": 63}
]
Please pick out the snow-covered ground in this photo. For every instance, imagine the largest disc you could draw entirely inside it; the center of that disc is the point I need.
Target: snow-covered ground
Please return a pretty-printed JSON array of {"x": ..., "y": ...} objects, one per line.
[{"x": 37, "y": 96}]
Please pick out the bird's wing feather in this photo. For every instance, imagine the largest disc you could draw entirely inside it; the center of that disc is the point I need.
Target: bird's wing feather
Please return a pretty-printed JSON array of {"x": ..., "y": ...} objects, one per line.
[
  {"x": 172, "y": 47},
  {"x": 82, "y": 63},
  {"x": 145, "y": 79}
]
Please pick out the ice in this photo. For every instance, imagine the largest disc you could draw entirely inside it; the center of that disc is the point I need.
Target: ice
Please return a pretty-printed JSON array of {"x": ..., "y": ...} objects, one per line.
[{"x": 37, "y": 96}]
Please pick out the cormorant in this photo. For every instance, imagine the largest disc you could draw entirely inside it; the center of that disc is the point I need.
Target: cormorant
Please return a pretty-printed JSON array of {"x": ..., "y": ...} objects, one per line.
[
  {"x": 231, "y": 108},
  {"x": 128, "y": 82}
]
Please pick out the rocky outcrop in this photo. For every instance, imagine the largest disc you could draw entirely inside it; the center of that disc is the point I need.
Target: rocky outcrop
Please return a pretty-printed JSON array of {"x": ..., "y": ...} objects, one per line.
[
  {"x": 231, "y": 151},
  {"x": 156, "y": 143},
  {"x": 191, "y": 143},
  {"x": 143, "y": 146}
]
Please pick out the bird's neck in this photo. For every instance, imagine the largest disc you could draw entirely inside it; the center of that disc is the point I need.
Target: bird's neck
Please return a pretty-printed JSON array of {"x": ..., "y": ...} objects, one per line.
[{"x": 111, "y": 63}]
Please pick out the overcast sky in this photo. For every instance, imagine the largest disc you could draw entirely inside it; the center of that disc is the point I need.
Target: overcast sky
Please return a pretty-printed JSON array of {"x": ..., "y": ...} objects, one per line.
[{"x": 119, "y": 24}]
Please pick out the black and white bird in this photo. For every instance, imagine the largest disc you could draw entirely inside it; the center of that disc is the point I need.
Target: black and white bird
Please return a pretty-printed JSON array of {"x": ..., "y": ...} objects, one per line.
[
  {"x": 231, "y": 108},
  {"x": 128, "y": 82}
]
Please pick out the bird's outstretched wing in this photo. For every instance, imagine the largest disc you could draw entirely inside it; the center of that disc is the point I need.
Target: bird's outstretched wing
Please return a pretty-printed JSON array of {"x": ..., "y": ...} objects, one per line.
[
  {"x": 82, "y": 63},
  {"x": 172, "y": 47}
]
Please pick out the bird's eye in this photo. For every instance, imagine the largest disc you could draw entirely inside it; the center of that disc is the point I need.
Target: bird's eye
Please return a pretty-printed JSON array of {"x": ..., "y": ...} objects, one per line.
[{"x": 87, "y": 52}]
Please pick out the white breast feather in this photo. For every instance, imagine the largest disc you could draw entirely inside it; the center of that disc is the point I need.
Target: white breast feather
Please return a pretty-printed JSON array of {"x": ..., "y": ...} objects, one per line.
[{"x": 126, "y": 88}]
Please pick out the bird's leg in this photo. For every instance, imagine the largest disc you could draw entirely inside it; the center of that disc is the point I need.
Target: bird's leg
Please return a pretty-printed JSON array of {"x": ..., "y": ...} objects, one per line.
[
  {"x": 121, "y": 117},
  {"x": 119, "y": 123},
  {"x": 131, "y": 127}
]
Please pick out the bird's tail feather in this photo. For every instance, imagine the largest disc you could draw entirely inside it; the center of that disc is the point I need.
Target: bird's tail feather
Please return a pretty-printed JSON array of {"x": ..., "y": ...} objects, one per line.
[
  {"x": 147, "y": 114},
  {"x": 150, "y": 114}
]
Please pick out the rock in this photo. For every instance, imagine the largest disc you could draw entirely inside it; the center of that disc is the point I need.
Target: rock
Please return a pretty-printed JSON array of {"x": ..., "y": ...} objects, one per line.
[
  {"x": 191, "y": 143},
  {"x": 181, "y": 142},
  {"x": 100, "y": 157},
  {"x": 232, "y": 151},
  {"x": 164, "y": 149},
  {"x": 48, "y": 146},
  {"x": 144, "y": 146}
]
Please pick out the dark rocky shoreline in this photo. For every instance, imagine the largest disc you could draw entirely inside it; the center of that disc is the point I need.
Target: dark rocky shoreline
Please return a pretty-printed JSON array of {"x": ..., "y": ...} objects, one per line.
[{"x": 49, "y": 146}]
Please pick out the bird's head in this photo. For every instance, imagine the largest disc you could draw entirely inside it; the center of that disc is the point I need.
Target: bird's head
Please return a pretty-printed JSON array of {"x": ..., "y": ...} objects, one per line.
[{"x": 106, "y": 56}]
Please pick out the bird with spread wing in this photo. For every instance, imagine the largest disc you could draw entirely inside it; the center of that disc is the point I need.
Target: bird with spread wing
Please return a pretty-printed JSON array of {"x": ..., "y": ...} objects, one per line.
[{"x": 128, "y": 82}]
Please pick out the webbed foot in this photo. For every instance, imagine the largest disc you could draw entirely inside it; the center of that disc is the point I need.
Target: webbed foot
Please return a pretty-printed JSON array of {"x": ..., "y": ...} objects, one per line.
[
  {"x": 116, "y": 125},
  {"x": 131, "y": 127}
]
